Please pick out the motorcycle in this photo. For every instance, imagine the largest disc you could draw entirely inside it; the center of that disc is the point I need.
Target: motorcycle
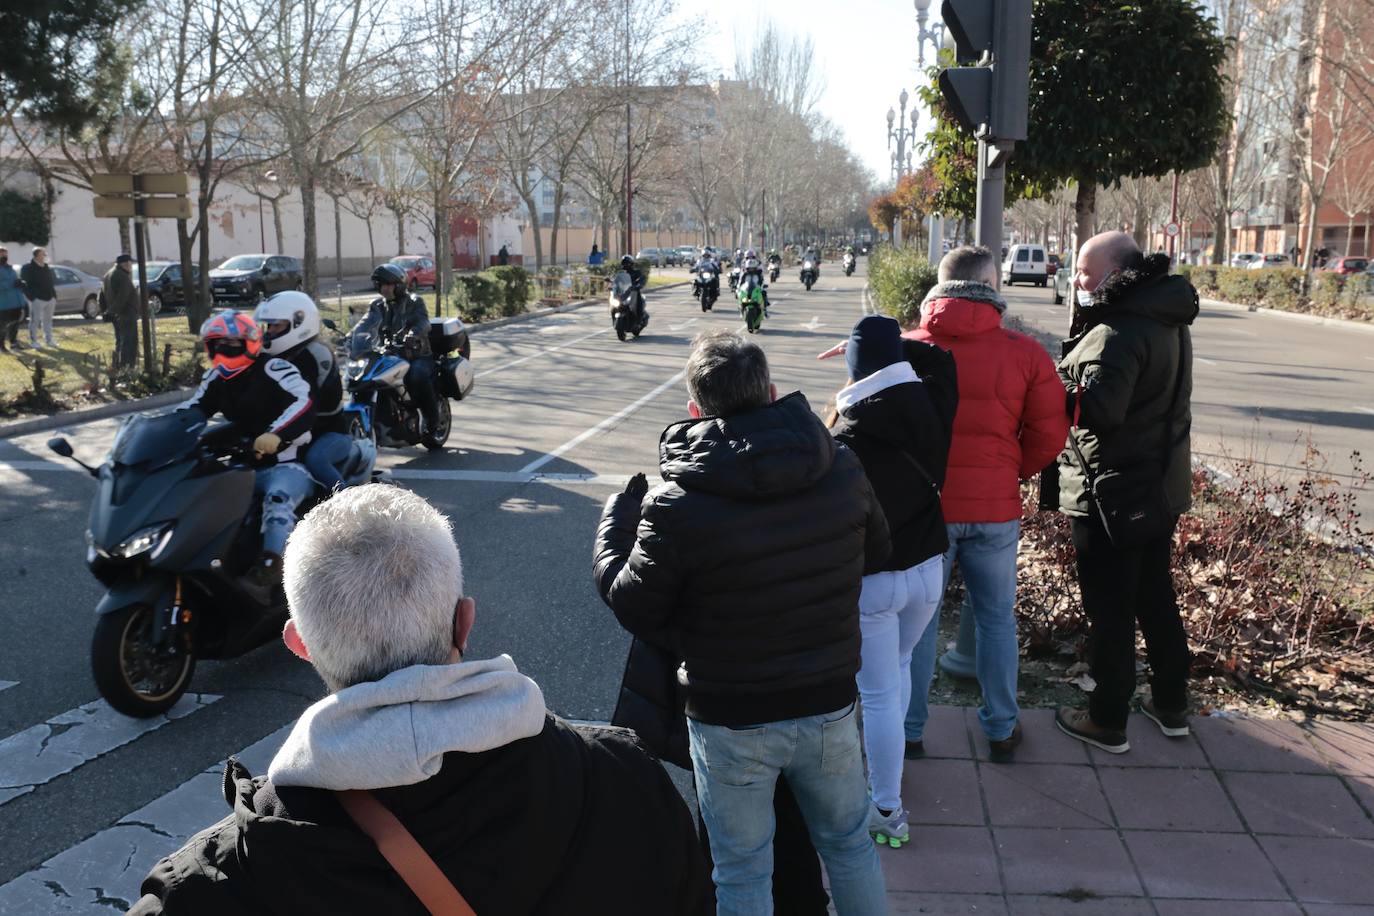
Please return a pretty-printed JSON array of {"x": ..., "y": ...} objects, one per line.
[
  {"x": 379, "y": 405},
  {"x": 751, "y": 303},
  {"x": 810, "y": 273},
  {"x": 628, "y": 314},
  {"x": 706, "y": 289},
  {"x": 848, "y": 264},
  {"x": 174, "y": 527},
  {"x": 774, "y": 268},
  {"x": 735, "y": 272}
]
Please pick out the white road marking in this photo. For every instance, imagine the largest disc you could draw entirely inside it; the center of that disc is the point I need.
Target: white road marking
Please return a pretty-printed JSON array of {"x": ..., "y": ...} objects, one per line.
[
  {"x": 601, "y": 427},
  {"x": 1369, "y": 410},
  {"x": 42, "y": 753},
  {"x": 686, "y": 324},
  {"x": 609, "y": 480},
  {"x": 814, "y": 323},
  {"x": 38, "y": 465},
  {"x": 105, "y": 870},
  {"x": 6, "y": 685},
  {"x": 1203, "y": 360},
  {"x": 515, "y": 362}
]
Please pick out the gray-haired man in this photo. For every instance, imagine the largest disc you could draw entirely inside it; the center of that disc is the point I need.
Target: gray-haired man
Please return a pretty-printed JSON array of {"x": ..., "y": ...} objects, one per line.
[
  {"x": 747, "y": 564},
  {"x": 521, "y": 812}
]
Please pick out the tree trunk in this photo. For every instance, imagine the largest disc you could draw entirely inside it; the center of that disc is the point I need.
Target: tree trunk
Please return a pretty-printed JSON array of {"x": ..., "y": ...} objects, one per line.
[
  {"x": 126, "y": 245},
  {"x": 1349, "y": 233},
  {"x": 1221, "y": 235},
  {"x": 192, "y": 296},
  {"x": 276, "y": 224},
  {"x": 1085, "y": 211},
  {"x": 338, "y": 241},
  {"x": 203, "y": 212},
  {"x": 1366, "y": 234},
  {"x": 310, "y": 246},
  {"x": 533, "y": 210},
  {"x": 1309, "y": 254},
  {"x": 553, "y": 230},
  {"x": 400, "y": 230}
]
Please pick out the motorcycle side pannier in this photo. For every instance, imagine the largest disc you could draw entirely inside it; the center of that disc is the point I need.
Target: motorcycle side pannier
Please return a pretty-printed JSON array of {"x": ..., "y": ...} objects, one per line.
[
  {"x": 455, "y": 377},
  {"x": 446, "y": 334}
]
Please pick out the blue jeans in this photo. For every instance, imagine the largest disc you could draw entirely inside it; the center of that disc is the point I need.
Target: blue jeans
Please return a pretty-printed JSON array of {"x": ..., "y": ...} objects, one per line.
[
  {"x": 986, "y": 555},
  {"x": 325, "y": 456},
  {"x": 283, "y": 487},
  {"x": 736, "y": 772}
]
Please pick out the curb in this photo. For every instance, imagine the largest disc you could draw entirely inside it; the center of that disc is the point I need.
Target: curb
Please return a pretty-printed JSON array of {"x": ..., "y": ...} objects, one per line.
[
  {"x": 118, "y": 408},
  {"x": 1345, "y": 323}
]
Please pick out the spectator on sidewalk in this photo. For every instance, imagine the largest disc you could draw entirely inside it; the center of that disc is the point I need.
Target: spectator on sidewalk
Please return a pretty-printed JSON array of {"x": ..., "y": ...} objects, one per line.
[
  {"x": 597, "y": 257},
  {"x": 747, "y": 564},
  {"x": 121, "y": 301},
  {"x": 896, "y": 414},
  {"x": 503, "y": 257},
  {"x": 1009, "y": 426},
  {"x": 1128, "y": 372},
  {"x": 41, "y": 288},
  {"x": 12, "y": 300},
  {"x": 521, "y": 812}
]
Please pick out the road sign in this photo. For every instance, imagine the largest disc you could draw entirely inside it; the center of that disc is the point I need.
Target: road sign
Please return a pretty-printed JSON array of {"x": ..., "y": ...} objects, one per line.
[
  {"x": 153, "y": 207},
  {"x": 159, "y": 183},
  {"x": 1171, "y": 230}
]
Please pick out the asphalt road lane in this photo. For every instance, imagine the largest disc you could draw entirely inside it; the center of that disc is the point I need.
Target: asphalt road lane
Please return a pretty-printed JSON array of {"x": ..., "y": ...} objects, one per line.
[
  {"x": 562, "y": 386},
  {"x": 1263, "y": 384}
]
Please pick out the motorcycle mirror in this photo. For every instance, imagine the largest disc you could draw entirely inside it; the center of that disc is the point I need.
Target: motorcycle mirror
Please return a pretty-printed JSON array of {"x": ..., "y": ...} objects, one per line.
[
  {"x": 329, "y": 323},
  {"x": 60, "y": 446}
]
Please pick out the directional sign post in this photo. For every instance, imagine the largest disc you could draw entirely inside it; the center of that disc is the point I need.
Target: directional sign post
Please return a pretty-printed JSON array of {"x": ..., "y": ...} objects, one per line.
[{"x": 127, "y": 196}]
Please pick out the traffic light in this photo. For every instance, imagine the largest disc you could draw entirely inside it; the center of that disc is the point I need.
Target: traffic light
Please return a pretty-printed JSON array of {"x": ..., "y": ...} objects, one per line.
[{"x": 990, "y": 99}]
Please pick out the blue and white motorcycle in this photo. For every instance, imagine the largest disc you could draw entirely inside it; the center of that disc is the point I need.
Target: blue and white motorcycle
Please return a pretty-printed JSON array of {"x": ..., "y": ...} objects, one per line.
[{"x": 379, "y": 406}]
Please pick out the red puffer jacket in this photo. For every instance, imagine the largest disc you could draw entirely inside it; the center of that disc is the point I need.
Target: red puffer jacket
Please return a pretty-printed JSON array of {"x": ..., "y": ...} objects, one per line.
[{"x": 1011, "y": 420}]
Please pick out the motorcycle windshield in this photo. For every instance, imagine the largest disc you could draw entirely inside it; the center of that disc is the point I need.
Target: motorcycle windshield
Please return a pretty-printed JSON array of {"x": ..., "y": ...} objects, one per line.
[
  {"x": 361, "y": 343},
  {"x": 621, "y": 284},
  {"x": 157, "y": 440}
]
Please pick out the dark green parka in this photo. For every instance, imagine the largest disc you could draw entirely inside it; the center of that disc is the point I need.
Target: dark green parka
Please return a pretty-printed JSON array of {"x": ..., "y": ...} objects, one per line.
[{"x": 1122, "y": 367}]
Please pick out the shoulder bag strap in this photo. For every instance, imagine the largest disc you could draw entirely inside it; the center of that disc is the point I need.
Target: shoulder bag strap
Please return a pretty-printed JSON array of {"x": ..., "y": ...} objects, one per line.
[{"x": 406, "y": 856}]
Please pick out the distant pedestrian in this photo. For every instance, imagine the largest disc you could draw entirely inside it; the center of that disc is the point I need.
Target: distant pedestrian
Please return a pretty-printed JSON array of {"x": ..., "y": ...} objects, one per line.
[
  {"x": 12, "y": 300},
  {"x": 510, "y": 806},
  {"x": 896, "y": 414},
  {"x": 747, "y": 563},
  {"x": 1010, "y": 425},
  {"x": 597, "y": 257},
  {"x": 1126, "y": 477},
  {"x": 121, "y": 301},
  {"x": 503, "y": 257},
  {"x": 41, "y": 288}
]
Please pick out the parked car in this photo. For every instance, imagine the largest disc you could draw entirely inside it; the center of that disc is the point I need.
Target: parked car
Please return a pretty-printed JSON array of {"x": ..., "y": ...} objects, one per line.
[
  {"x": 1347, "y": 265},
  {"x": 1052, "y": 263},
  {"x": 250, "y": 278},
  {"x": 165, "y": 286},
  {"x": 1268, "y": 260},
  {"x": 687, "y": 255},
  {"x": 78, "y": 293},
  {"x": 1025, "y": 264},
  {"x": 1244, "y": 258},
  {"x": 1063, "y": 280},
  {"x": 419, "y": 270},
  {"x": 651, "y": 255}
]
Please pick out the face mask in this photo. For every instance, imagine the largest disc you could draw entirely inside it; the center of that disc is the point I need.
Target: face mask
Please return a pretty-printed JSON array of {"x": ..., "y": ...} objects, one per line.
[{"x": 1085, "y": 298}]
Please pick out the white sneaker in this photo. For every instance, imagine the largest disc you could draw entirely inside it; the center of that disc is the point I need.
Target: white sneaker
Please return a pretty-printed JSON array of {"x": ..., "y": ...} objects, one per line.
[{"x": 888, "y": 830}]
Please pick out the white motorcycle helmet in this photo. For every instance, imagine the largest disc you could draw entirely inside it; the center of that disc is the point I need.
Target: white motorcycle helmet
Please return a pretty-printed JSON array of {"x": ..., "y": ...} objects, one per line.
[{"x": 287, "y": 320}]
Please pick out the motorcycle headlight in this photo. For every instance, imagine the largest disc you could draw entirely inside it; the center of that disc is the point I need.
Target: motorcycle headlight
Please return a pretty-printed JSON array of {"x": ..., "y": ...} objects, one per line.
[
  {"x": 807, "y": 265},
  {"x": 614, "y": 301},
  {"x": 150, "y": 540},
  {"x": 355, "y": 368}
]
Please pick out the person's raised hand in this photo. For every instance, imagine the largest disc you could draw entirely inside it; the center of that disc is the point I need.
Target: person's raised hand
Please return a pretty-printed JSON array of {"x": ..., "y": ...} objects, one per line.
[
  {"x": 837, "y": 350},
  {"x": 637, "y": 487}
]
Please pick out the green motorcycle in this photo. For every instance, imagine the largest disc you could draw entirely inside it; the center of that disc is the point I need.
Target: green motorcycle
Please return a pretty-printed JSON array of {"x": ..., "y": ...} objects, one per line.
[{"x": 751, "y": 303}]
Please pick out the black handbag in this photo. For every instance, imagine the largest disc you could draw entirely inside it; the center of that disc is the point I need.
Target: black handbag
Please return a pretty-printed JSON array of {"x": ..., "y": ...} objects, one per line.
[{"x": 1132, "y": 502}]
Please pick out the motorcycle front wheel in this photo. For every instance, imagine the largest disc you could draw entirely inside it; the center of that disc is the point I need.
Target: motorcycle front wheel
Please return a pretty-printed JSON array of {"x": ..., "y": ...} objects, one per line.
[{"x": 132, "y": 674}]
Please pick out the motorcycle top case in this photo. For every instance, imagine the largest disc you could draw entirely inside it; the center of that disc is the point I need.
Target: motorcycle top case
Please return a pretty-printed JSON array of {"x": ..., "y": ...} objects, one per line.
[
  {"x": 446, "y": 334},
  {"x": 455, "y": 377}
]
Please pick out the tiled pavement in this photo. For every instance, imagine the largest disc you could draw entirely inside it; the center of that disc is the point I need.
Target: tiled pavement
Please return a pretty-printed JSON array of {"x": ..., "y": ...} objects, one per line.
[{"x": 1247, "y": 816}]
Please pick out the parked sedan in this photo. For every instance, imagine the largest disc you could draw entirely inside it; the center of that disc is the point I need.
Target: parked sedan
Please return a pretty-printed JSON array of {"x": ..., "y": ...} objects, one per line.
[
  {"x": 1244, "y": 258},
  {"x": 1268, "y": 260},
  {"x": 78, "y": 293},
  {"x": 419, "y": 270},
  {"x": 651, "y": 255},
  {"x": 250, "y": 278},
  {"x": 1347, "y": 265}
]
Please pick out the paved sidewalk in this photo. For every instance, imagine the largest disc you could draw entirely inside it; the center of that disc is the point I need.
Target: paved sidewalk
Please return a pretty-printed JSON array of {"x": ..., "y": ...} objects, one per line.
[{"x": 1248, "y": 816}]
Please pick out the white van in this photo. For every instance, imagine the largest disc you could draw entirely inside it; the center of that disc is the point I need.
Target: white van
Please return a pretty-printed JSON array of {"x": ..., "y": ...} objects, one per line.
[{"x": 1025, "y": 264}]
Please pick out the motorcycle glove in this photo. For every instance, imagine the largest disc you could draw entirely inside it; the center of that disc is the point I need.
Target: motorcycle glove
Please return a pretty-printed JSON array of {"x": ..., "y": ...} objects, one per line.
[{"x": 266, "y": 444}]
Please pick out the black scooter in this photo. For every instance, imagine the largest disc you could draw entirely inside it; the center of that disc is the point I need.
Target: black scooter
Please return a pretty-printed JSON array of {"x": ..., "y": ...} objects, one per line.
[{"x": 174, "y": 528}]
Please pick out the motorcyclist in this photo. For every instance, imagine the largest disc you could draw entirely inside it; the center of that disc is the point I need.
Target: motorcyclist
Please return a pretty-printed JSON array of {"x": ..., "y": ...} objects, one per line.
[
  {"x": 290, "y": 325},
  {"x": 398, "y": 318},
  {"x": 706, "y": 262},
  {"x": 265, "y": 397},
  {"x": 752, "y": 266},
  {"x": 627, "y": 264}
]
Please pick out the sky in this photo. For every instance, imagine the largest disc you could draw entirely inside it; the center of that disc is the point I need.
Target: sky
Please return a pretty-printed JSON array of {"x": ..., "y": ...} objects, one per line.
[{"x": 866, "y": 55}]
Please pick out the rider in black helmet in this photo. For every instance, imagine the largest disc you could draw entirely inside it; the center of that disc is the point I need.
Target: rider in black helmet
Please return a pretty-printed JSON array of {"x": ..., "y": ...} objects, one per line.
[
  {"x": 627, "y": 264},
  {"x": 399, "y": 317}
]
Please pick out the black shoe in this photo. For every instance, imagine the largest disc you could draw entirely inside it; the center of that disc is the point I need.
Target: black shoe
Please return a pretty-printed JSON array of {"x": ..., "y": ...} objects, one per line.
[
  {"x": 1076, "y": 723},
  {"x": 915, "y": 750},
  {"x": 265, "y": 573},
  {"x": 1172, "y": 724},
  {"x": 1003, "y": 751}
]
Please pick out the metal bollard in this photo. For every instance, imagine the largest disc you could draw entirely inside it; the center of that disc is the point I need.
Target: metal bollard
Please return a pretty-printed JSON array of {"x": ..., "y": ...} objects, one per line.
[{"x": 962, "y": 660}]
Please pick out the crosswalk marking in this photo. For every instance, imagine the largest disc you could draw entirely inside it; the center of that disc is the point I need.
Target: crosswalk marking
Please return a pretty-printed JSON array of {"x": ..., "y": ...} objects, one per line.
[
  {"x": 43, "y": 752},
  {"x": 103, "y": 872},
  {"x": 6, "y": 685}
]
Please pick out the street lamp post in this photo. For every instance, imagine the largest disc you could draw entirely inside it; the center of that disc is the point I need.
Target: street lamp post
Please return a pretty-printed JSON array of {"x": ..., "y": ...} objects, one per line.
[
  {"x": 932, "y": 34},
  {"x": 269, "y": 176},
  {"x": 900, "y": 159}
]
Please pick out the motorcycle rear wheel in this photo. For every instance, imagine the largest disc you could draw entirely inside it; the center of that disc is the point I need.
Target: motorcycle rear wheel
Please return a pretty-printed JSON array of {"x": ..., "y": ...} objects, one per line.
[
  {"x": 127, "y": 671},
  {"x": 435, "y": 439}
]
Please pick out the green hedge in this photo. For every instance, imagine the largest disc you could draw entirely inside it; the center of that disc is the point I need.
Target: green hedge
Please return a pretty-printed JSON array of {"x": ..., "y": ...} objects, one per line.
[
  {"x": 515, "y": 285},
  {"x": 1282, "y": 288},
  {"x": 900, "y": 279},
  {"x": 23, "y": 219}
]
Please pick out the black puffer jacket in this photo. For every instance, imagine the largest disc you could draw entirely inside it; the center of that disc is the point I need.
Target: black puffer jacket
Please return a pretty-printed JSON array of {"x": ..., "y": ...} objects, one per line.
[
  {"x": 899, "y": 422},
  {"x": 1122, "y": 369},
  {"x": 747, "y": 563},
  {"x": 548, "y": 824}
]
